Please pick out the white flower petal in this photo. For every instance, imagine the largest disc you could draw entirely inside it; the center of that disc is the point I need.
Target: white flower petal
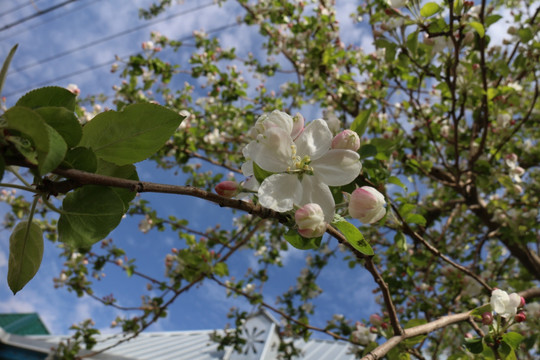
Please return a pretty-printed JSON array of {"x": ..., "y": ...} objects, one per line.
[
  {"x": 337, "y": 167},
  {"x": 315, "y": 140},
  {"x": 273, "y": 150},
  {"x": 317, "y": 192},
  {"x": 280, "y": 192}
]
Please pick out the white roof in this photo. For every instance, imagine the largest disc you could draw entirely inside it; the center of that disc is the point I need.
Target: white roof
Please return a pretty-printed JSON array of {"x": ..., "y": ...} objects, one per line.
[{"x": 260, "y": 332}]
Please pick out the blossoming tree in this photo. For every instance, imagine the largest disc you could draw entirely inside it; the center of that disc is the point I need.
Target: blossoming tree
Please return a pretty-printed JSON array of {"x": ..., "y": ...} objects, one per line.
[{"x": 430, "y": 141}]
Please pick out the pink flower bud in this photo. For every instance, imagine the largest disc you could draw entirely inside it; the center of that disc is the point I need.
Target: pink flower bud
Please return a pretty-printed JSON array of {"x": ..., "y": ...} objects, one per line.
[
  {"x": 520, "y": 317},
  {"x": 375, "y": 319},
  {"x": 367, "y": 205},
  {"x": 347, "y": 139},
  {"x": 310, "y": 220},
  {"x": 522, "y": 303},
  {"x": 487, "y": 318},
  {"x": 227, "y": 189}
]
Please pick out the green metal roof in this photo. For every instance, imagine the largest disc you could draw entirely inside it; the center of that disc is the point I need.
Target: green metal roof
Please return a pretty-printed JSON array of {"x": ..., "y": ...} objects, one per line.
[{"x": 23, "y": 324}]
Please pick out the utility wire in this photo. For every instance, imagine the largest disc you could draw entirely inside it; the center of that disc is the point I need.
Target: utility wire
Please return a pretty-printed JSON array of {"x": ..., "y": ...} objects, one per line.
[
  {"x": 39, "y": 13},
  {"x": 110, "y": 62},
  {"x": 105, "y": 39},
  {"x": 31, "y": 2},
  {"x": 50, "y": 19}
]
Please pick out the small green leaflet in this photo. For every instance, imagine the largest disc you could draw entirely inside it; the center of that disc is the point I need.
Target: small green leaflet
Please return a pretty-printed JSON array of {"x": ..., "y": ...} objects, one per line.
[
  {"x": 302, "y": 243},
  {"x": 360, "y": 123},
  {"x": 354, "y": 237},
  {"x": 430, "y": 9},
  {"x": 131, "y": 135},
  {"x": 25, "y": 254},
  {"x": 478, "y": 27}
]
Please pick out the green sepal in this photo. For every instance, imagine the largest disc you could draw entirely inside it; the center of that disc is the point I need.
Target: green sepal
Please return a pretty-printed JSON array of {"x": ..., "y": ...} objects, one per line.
[{"x": 260, "y": 173}]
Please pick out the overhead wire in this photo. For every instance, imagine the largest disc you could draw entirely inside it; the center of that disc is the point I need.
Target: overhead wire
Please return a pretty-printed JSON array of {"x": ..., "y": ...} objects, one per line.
[
  {"x": 36, "y": 14},
  {"x": 18, "y": 7},
  {"x": 50, "y": 19},
  {"x": 109, "y": 62},
  {"x": 105, "y": 39}
]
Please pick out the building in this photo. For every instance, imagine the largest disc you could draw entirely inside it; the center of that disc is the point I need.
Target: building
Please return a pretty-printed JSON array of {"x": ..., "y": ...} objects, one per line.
[{"x": 25, "y": 337}]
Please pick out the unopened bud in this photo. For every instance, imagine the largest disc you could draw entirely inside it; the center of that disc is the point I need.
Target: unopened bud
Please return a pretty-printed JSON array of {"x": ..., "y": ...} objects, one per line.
[
  {"x": 228, "y": 188},
  {"x": 487, "y": 318},
  {"x": 376, "y": 319},
  {"x": 310, "y": 220},
  {"x": 347, "y": 139},
  {"x": 367, "y": 205},
  {"x": 520, "y": 317}
]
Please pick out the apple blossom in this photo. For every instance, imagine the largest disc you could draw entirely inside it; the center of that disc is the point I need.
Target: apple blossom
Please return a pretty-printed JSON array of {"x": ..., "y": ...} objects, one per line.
[
  {"x": 362, "y": 334},
  {"x": 310, "y": 220},
  {"x": 303, "y": 167},
  {"x": 367, "y": 205},
  {"x": 347, "y": 139},
  {"x": 397, "y": 3},
  {"x": 504, "y": 304}
]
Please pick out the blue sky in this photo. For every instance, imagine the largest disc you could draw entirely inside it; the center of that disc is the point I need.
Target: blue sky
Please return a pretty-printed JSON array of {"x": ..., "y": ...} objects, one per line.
[{"x": 86, "y": 22}]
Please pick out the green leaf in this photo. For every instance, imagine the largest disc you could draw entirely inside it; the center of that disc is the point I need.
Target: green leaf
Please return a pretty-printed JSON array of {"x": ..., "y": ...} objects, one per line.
[
  {"x": 354, "y": 237},
  {"x": 25, "y": 254},
  {"x": 81, "y": 158},
  {"x": 478, "y": 27},
  {"x": 48, "y": 96},
  {"x": 400, "y": 241},
  {"x": 367, "y": 150},
  {"x": 525, "y": 34},
  {"x": 51, "y": 159},
  {"x": 492, "y": 19},
  {"x": 416, "y": 219},
  {"x": 5, "y": 66},
  {"x": 49, "y": 145},
  {"x": 480, "y": 310},
  {"x": 513, "y": 339},
  {"x": 415, "y": 339},
  {"x": 132, "y": 135},
  {"x": 64, "y": 122},
  {"x": 88, "y": 215},
  {"x": 124, "y": 172},
  {"x": 300, "y": 242},
  {"x": 476, "y": 345},
  {"x": 260, "y": 173},
  {"x": 221, "y": 269},
  {"x": 360, "y": 123},
  {"x": 396, "y": 181},
  {"x": 430, "y": 9}
]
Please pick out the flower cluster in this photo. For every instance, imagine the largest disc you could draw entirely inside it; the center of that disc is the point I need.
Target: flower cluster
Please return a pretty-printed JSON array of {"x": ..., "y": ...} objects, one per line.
[{"x": 301, "y": 162}]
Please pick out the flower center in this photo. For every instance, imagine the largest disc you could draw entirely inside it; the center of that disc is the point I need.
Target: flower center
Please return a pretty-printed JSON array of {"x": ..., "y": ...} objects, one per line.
[{"x": 298, "y": 165}]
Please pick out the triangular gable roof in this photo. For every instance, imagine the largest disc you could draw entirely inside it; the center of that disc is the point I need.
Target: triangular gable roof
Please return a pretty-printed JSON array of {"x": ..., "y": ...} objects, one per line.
[{"x": 23, "y": 324}]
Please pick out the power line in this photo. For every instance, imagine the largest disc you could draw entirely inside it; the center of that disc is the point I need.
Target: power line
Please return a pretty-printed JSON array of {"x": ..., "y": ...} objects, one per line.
[
  {"x": 50, "y": 19},
  {"x": 105, "y": 39},
  {"x": 31, "y": 2},
  {"x": 39, "y": 13},
  {"x": 109, "y": 62}
]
